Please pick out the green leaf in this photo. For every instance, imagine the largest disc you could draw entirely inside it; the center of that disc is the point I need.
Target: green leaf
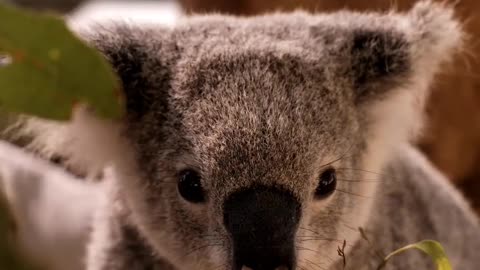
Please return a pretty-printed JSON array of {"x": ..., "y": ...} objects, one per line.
[
  {"x": 49, "y": 70},
  {"x": 430, "y": 247}
]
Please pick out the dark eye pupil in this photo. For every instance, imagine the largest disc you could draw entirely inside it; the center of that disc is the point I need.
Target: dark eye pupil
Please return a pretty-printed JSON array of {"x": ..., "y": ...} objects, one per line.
[
  {"x": 327, "y": 184},
  {"x": 190, "y": 187}
]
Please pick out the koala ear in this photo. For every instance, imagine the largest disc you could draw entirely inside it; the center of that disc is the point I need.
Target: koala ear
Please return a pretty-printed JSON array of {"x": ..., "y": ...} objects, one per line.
[
  {"x": 141, "y": 59},
  {"x": 384, "y": 52},
  {"x": 379, "y": 60},
  {"x": 388, "y": 62}
]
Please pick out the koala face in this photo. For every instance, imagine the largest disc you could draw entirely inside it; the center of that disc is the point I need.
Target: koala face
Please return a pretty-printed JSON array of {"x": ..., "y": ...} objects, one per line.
[
  {"x": 258, "y": 142},
  {"x": 255, "y": 142}
]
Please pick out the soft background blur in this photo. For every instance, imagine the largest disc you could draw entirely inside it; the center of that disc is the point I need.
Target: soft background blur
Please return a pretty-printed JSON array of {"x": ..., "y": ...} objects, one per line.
[{"x": 452, "y": 139}]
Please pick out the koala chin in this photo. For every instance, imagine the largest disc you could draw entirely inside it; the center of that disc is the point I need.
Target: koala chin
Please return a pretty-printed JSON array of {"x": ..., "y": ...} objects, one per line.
[{"x": 271, "y": 142}]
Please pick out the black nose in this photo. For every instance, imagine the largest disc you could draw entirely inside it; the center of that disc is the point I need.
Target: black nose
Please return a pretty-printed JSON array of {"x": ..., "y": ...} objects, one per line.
[{"x": 262, "y": 222}]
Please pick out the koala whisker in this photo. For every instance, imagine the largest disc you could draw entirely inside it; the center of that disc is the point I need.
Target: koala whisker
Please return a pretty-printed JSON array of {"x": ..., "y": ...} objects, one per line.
[
  {"x": 309, "y": 237},
  {"x": 321, "y": 239},
  {"x": 301, "y": 267},
  {"x": 318, "y": 234},
  {"x": 310, "y": 230},
  {"x": 309, "y": 262},
  {"x": 304, "y": 248},
  {"x": 357, "y": 181},
  {"x": 353, "y": 194},
  {"x": 203, "y": 247},
  {"x": 342, "y": 156},
  {"x": 366, "y": 171},
  {"x": 345, "y": 224},
  {"x": 315, "y": 251}
]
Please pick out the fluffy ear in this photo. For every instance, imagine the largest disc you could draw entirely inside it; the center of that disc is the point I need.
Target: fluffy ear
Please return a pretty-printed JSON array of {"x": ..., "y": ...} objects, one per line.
[
  {"x": 142, "y": 60},
  {"x": 379, "y": 61},
  {"x": 383, "y": 52},
  {"x": 390, "y": 60}
]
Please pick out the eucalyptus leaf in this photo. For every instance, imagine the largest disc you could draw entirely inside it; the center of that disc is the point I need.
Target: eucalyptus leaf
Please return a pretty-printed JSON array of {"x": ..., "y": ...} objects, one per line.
[
  {"x": 430, "y": 247},
  {"x": 46, "y": 69}
]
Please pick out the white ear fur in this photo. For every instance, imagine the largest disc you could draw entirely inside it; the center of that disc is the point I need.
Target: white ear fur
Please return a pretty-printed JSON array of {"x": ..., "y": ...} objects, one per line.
[
  {"x": 88, "y": 142},
  {"x": 433, "y": 36},
  {"x": 394, "y": 120},
  {"x": 97, "y": 140}
]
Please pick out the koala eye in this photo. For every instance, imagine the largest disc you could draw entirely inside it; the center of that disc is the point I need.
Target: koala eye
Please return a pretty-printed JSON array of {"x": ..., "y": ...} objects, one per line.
[
  {"x": 327, "y": 184},
  {"x": 190, "y": 186}
]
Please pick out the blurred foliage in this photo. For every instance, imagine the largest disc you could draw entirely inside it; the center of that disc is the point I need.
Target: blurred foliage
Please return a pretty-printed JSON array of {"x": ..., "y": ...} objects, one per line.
[{"x": 45, "y": 70}]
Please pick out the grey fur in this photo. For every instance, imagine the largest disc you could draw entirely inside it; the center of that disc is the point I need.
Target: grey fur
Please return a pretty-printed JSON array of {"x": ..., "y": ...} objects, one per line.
[{"x": 274, "y": 100}]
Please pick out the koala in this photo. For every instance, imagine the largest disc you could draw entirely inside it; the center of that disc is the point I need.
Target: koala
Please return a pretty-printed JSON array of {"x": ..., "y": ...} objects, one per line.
[{"x": 275, "y": 142}]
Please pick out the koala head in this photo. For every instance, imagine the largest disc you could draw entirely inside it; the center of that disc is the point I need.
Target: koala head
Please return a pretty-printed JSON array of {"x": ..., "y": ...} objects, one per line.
[{"x": 256, "y": 143}]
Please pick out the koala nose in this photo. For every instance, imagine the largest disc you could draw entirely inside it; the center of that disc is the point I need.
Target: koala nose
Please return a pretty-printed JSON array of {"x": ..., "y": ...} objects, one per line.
[{"x": 262, "y": 222}]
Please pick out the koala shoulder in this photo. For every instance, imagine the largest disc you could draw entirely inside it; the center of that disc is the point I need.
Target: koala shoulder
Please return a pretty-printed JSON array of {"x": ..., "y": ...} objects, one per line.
[{"x": 412, "y": 187}]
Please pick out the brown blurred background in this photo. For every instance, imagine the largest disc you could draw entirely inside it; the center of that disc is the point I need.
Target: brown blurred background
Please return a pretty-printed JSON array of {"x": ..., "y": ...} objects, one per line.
[{"x": 452, "y": 138}]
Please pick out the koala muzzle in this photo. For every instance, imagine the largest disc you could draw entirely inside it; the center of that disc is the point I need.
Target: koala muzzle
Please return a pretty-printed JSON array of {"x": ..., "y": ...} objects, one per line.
[{"x": 262, "y": 223}]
